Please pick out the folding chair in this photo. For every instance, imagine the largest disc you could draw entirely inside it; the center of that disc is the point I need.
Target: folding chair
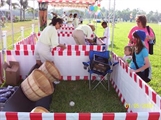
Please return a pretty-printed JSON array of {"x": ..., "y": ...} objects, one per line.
[{"x": 100, "y": 64}]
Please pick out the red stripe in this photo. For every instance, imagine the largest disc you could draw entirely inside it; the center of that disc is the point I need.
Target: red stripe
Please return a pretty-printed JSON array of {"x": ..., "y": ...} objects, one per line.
[
  {"x": 85, "y": 77},
  {"x": 130, "y": 74},
  {"x": 131, "y": 116},
  {"x": 126, "y": 69},
  {"x": 84, "y": 48},
  {"x": 25, "y": 47},
  {"x": 17, "y": 47},
  {"x": 60, "y": 53},
  {"x": 146, "y": 90},
  {"x": 35, "y": 116},
  {"x": 108, "y": 116},
  {"x": 69, "y": 78},
  {"x": 17, "y": 52},
  {"x": 32, "y": 47},
  {"x": 26, "y": 52},
  {"x": 69, "y": 53},
  {"x": 1, "y": 70},
  {"x": 86, "y": 53},
  {"x": 8, "y": 52},
  {"x": 140, "y": 83},
  {"x": 77, "y": 53},
  {"x": 11, "y": 116},
  {"x": 77, "y": 77},
  {"x": 76, "y": 47},
  {"x": 84, "y": 116},
  {"x": 135, "y": 77},
  {"x": 69, "y": 47},
  {"x": 154, "y": 116},
  {"x": 59, "y": 116},
  {"x": 91, "y": 47},
  {"x": 154, "y": 95}
]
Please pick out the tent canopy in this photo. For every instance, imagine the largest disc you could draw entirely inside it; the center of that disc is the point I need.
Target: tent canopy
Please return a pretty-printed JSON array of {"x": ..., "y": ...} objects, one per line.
[{"x": 69, "y": 3}]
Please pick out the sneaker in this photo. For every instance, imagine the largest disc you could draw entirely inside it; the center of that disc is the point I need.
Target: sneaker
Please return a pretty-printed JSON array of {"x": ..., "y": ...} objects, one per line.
[{"x": 57, "y": 82}]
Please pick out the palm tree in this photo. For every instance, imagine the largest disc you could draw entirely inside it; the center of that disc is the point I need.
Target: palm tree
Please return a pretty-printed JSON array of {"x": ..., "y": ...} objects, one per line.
[
  {"x": 24, "y": 5},
  {"x": 2, "y": 3},
  {"x": 31, "y": 10}
]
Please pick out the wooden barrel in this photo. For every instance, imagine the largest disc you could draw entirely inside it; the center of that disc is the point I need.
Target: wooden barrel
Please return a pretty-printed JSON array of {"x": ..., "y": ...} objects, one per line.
[
  {"x": 50, "y": 71},
  {"x": 37, "y": 86},
  {"x": 39, "y": 109}
]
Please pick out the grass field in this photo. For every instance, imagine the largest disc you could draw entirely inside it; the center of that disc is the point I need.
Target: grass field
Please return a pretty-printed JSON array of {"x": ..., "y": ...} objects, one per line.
[{"x": 65, "y": 92}]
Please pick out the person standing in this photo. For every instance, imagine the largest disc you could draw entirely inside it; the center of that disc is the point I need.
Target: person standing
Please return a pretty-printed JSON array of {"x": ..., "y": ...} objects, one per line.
[
  {"x": 48, "y": 40},
  {"x": 140, "y": 62},
  {"x": 70, "y": 20},
  {"x": 75, "y": 20},
  {"x": 106, "y": 35},
  {"x": 141, "y": 22}
]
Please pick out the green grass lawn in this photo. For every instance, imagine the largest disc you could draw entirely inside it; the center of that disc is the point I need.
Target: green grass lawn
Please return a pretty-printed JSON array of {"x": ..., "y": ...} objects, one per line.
[{"x": 98, "y": 100}]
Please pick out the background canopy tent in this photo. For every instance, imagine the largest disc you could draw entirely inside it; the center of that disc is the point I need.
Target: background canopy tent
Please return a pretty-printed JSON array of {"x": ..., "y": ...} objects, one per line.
[
  {"x": 69, "y": 3},
  {"x": 43, "y": 6}
]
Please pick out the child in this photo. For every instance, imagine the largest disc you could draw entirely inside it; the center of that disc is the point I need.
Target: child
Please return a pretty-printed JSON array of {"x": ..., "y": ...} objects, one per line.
[{"x": 127, "y": 54}]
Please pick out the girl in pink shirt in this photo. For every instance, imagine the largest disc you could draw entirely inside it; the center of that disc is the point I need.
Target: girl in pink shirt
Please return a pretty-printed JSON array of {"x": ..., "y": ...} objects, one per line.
[{"x": 141, "y": 25}]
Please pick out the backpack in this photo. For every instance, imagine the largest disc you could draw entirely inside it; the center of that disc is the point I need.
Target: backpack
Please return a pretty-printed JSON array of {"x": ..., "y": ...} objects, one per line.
[
  {"x": 148, "y": 29},
  {"x": 151, "y": 42}
]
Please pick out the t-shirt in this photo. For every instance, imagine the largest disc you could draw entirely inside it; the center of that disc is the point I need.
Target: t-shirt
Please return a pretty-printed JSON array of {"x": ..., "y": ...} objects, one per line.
[
  {"x": 107, "y": 35},
  {"x": 139, "y": 59},
  {"x": 75, "y": 22},
  {"x": 127, "y": 58},
  {"x": 49, "y": 36},
  {"x": 86, "y": 30},
  {"x": 145, "y": 30}
]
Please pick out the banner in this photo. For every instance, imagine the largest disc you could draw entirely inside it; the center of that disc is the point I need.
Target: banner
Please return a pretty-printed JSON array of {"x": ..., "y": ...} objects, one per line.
[{"x": 43, "y": 6}]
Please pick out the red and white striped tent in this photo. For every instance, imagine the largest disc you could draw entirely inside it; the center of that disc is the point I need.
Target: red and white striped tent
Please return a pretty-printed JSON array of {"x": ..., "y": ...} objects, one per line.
[{"x": 69, "y": 3}]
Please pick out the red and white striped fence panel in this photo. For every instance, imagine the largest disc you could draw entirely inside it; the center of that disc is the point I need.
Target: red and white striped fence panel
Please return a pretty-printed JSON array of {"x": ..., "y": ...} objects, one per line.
[
  {"x": 62, "y": 59},
  {"x": 68, "y": 47},
  {"x": 136, "y": 95},
  {"x": 31, "y": 40},
  {"x": 66, "y": 39},
  {"x": 79, "y": 116},
  {"x": 1, "y": 69},
  {"x": 141, "y": 101}
]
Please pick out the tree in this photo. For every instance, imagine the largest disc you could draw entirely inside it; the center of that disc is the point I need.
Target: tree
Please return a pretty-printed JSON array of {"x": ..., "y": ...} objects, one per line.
[
  {"x": 24, "y": 5},
  {"x": 2, "y": 3}
]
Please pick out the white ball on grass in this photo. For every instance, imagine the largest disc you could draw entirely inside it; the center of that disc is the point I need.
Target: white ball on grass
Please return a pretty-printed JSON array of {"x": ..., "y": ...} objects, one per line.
[{"x": 72, "y": 103}]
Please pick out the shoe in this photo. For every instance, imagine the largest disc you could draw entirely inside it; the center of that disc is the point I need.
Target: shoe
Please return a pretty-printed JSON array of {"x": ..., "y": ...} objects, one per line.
[{"x": 56, "y": 82}]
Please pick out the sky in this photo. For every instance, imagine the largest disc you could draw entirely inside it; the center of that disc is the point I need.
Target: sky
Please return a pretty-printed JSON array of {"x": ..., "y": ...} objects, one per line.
[{"x": 146, "y": 5}]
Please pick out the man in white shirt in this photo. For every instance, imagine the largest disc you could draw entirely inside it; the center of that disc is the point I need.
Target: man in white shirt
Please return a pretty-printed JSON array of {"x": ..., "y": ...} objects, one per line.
[
  {"x": 106, "y": 35},
  {"x": 84, "y": 33}
]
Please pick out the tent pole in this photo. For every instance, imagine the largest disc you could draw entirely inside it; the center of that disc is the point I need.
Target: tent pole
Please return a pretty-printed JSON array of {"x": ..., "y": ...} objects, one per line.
[
  {"x": 109, "y": 13},
  {"x": 113, "y": 26},
  {"x": 11, "y": 16}
]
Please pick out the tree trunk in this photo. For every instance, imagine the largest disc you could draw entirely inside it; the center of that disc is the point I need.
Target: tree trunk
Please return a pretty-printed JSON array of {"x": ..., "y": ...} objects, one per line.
[
  {"x": 24, "y": 14},
  {"x": 20, "y": 14}
]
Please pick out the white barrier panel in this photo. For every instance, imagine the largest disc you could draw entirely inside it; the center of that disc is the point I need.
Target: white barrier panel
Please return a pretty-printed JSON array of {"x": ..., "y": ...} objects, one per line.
[
  {"x": 62, "y": 59},
  {"x": 1, "y": 69},
  {"x": 139, "y": 97},
  {"x": 29, "y": 40},
  {"x": 136, "y": 95},
  {"x": 79, "y": 116},
  {"x": 68, "y": 47}
]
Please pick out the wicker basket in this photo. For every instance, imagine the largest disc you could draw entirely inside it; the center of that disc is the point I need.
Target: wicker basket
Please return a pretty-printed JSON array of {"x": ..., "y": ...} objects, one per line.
[
  {"x": 39, "y": 109},
  {"x": 50, "y": 71},
  {"x": 37, "y": 86}
]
